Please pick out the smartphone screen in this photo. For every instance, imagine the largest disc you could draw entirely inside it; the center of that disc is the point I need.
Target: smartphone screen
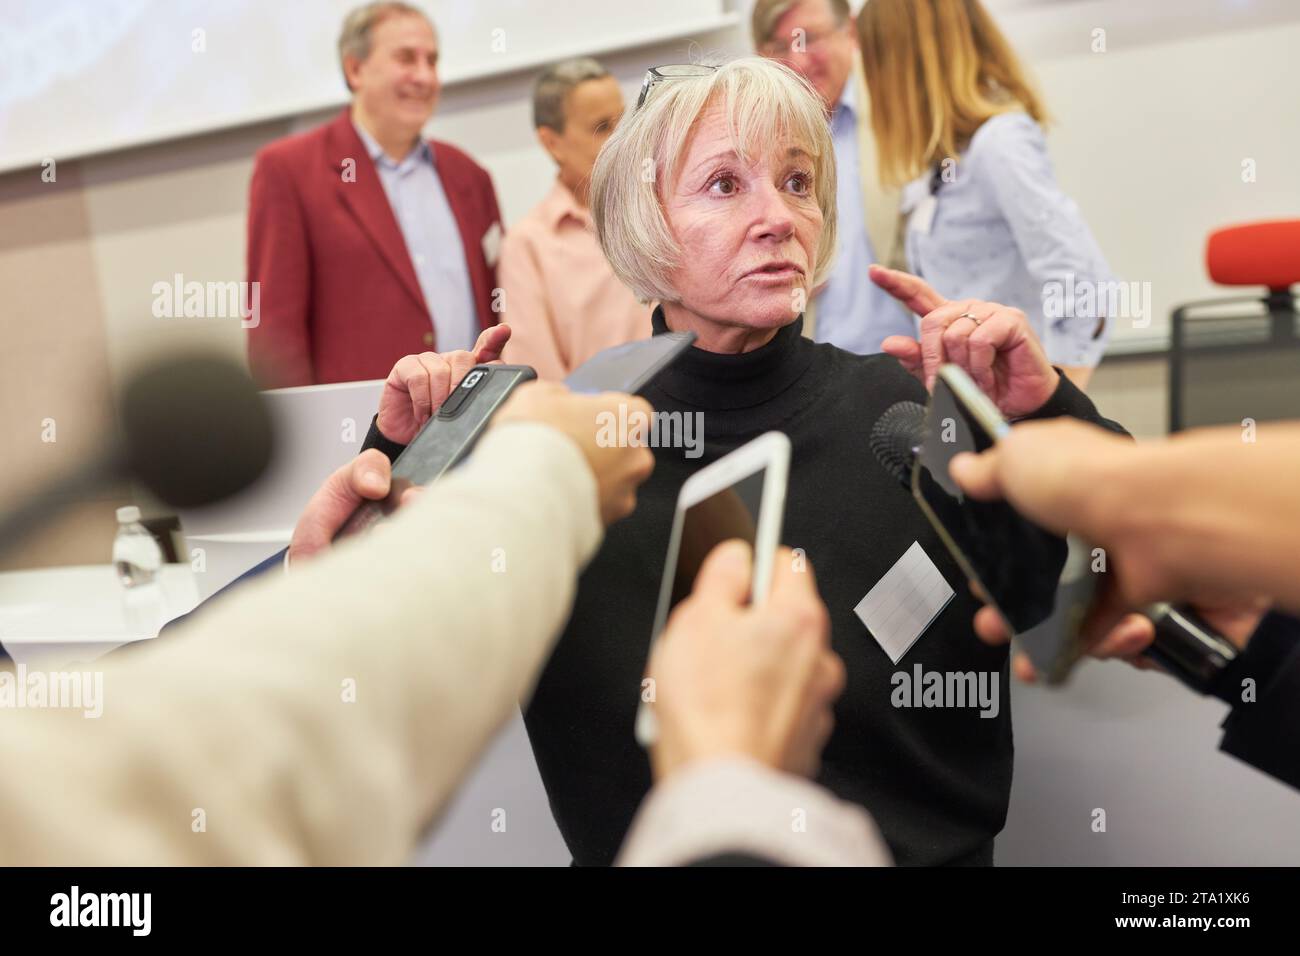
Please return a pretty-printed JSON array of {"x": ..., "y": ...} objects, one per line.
[
  {"x": 1016, "y": 563},
  {"x": 730, "y": 513},
  {"x": 741, "y": 495}
]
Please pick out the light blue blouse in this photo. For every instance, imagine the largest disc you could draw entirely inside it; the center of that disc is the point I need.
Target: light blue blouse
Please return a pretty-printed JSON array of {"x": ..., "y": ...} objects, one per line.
[{"x": 1003, "y": 231}]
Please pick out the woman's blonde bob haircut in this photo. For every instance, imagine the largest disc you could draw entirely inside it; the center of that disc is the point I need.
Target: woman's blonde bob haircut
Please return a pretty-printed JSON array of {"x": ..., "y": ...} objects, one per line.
[
  {"x": 765, "y": 103},
  {"x": 936, "y": 71}
]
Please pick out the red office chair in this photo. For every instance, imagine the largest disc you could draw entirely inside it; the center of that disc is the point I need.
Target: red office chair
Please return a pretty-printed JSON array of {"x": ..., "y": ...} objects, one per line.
[{"x": 1255, "y": 254}]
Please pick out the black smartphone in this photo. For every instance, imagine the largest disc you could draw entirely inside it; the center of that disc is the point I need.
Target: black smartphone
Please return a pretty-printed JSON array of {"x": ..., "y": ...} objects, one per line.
[
  {"x": 1040, "y": 583},
  {"x": 446, "y": 437},
  {"x": 450, "y": 434},
  {"x": 629, "y": 367}
]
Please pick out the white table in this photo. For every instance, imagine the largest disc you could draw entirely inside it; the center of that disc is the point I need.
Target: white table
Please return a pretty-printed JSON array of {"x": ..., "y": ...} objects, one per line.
[{"x": 54, "y": 616}]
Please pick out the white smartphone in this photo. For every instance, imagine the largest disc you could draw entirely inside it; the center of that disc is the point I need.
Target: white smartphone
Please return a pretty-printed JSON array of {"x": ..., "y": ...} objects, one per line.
[{"x": 741, "y": 495}]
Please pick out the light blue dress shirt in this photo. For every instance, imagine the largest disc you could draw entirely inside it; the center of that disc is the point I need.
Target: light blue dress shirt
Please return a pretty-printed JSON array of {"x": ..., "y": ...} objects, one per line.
[
  {"x": 1003, "y": 231},
  {"x": 419, "y": 203},
  {"x": 852, "y": 311}
]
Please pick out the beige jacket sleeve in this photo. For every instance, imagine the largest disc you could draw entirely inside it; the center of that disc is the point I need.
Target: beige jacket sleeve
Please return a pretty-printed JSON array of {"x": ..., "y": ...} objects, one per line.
[
  {"x": 739, "y": 806},
  {"x": 324, "y": 716}
]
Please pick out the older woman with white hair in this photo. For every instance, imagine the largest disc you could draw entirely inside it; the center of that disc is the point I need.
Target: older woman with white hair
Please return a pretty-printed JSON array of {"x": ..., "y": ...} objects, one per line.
[{"x": 716, "y": 197}]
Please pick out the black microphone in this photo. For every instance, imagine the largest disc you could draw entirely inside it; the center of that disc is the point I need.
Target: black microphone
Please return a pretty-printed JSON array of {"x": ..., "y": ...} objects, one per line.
[
  {"x": 896, "y": 439},
  {"x": 1184, "y": 645},
  {"x": 193, "y": 428}
]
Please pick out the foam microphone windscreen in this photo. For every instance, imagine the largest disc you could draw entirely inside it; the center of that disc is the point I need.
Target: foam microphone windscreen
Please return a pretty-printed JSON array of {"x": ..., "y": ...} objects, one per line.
[
  {"x": 195, "y": 429},
  {"x": 1258, "y": 253},
  {"x": 896, "y": 438}
]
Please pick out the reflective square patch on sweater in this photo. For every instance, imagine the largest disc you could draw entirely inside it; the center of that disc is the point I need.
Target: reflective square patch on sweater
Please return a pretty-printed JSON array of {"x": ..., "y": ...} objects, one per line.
[{"x": 904, "y": 602}]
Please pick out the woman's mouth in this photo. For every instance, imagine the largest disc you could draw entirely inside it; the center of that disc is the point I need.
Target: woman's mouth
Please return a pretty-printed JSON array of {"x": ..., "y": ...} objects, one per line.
[{"x": 780, "y": 272}]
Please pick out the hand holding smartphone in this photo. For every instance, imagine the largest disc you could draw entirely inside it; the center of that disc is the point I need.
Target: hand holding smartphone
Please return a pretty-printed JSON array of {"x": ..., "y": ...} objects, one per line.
[
  {"x": 1040, "y": 584},
  {"x": 741, "y": 495},
  {"x": 446, "y": 437},
  {"x": 450, "y": 434}
]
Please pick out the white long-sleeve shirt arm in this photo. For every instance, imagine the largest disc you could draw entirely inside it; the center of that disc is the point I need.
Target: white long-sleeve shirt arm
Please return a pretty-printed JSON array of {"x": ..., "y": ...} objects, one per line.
[
  {"x": 324, "y": 716},
  {"x": 1059, "y": 250}
]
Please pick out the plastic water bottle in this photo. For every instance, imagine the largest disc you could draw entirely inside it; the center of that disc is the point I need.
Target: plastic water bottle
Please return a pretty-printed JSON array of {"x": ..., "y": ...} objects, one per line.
[{"x": 136, "y": 554}]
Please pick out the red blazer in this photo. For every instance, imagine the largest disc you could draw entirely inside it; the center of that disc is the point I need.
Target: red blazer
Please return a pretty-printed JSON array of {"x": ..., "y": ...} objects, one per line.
[{"x": 338, "y": 299}]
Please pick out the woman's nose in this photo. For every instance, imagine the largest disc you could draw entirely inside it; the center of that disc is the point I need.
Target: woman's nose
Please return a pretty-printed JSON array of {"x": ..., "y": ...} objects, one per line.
[{"x": 772, "y": 213}]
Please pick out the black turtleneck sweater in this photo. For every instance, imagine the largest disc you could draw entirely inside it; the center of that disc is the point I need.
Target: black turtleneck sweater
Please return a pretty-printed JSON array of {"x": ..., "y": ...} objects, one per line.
[{"x": 936, "y": 780}]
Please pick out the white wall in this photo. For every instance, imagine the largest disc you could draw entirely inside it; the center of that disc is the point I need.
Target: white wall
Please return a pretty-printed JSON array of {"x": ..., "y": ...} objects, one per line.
[{"x": 1151, "y": 143}]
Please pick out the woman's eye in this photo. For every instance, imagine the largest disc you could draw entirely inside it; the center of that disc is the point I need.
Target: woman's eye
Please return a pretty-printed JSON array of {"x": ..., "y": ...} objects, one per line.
[
  {"x": 800, "y": 184},
  {"x": 723, "y": 185}
]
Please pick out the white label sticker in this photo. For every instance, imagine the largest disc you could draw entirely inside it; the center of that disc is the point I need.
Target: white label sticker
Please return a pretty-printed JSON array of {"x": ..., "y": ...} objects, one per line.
[
  {"x": 492, "y": 244},
  {"x": 904, "y": 602},
  {"x": 922, "y": 218}
]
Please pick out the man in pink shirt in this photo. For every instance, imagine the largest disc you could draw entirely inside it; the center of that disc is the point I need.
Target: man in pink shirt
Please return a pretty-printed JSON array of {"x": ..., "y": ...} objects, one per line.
[{"x": 562, "y": 300}]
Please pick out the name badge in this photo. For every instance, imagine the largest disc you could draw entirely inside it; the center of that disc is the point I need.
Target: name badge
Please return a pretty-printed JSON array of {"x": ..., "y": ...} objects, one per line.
[
  {"x": 492, "y": 244},
  {"x": 905, "y": 602},
  {"x": 922, "y": 218}
]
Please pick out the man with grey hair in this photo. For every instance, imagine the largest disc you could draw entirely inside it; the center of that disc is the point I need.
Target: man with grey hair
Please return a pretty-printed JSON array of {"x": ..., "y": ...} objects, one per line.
[
  {"x": 816, "y": 38},
  {"x": 562, "y": 299},
  {"x": 369, "y": 242}
]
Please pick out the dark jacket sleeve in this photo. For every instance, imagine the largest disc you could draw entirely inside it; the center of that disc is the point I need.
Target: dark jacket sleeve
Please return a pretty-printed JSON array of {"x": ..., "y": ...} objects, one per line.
[
  {"x": 1069, "y": 400},
  {"x": 1265, "y": 731}
]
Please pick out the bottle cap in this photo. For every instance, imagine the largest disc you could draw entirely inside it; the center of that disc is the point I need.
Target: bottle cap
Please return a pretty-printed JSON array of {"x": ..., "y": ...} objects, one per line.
[{"x": 128, "y": 514}]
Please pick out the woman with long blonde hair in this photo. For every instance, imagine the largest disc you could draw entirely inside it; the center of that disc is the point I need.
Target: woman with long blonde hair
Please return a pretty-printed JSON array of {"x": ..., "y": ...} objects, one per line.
[{"x": 959, "y": 125}]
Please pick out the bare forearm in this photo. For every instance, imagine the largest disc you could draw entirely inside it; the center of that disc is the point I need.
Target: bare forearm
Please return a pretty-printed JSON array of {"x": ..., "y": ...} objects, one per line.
[{"x": 1212, "y": 512}]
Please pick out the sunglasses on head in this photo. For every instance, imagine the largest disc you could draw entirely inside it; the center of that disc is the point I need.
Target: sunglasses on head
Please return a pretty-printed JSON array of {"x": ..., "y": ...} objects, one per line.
[{"x": 662, "y": 74}]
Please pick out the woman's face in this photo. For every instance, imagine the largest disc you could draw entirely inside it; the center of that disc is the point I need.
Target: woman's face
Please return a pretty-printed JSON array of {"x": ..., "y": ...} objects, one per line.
[{"x": 748, "y": 231}]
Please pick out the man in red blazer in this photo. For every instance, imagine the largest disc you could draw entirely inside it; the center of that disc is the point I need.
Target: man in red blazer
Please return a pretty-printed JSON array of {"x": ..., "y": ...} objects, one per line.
[{"x": 367, "y": 242}]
